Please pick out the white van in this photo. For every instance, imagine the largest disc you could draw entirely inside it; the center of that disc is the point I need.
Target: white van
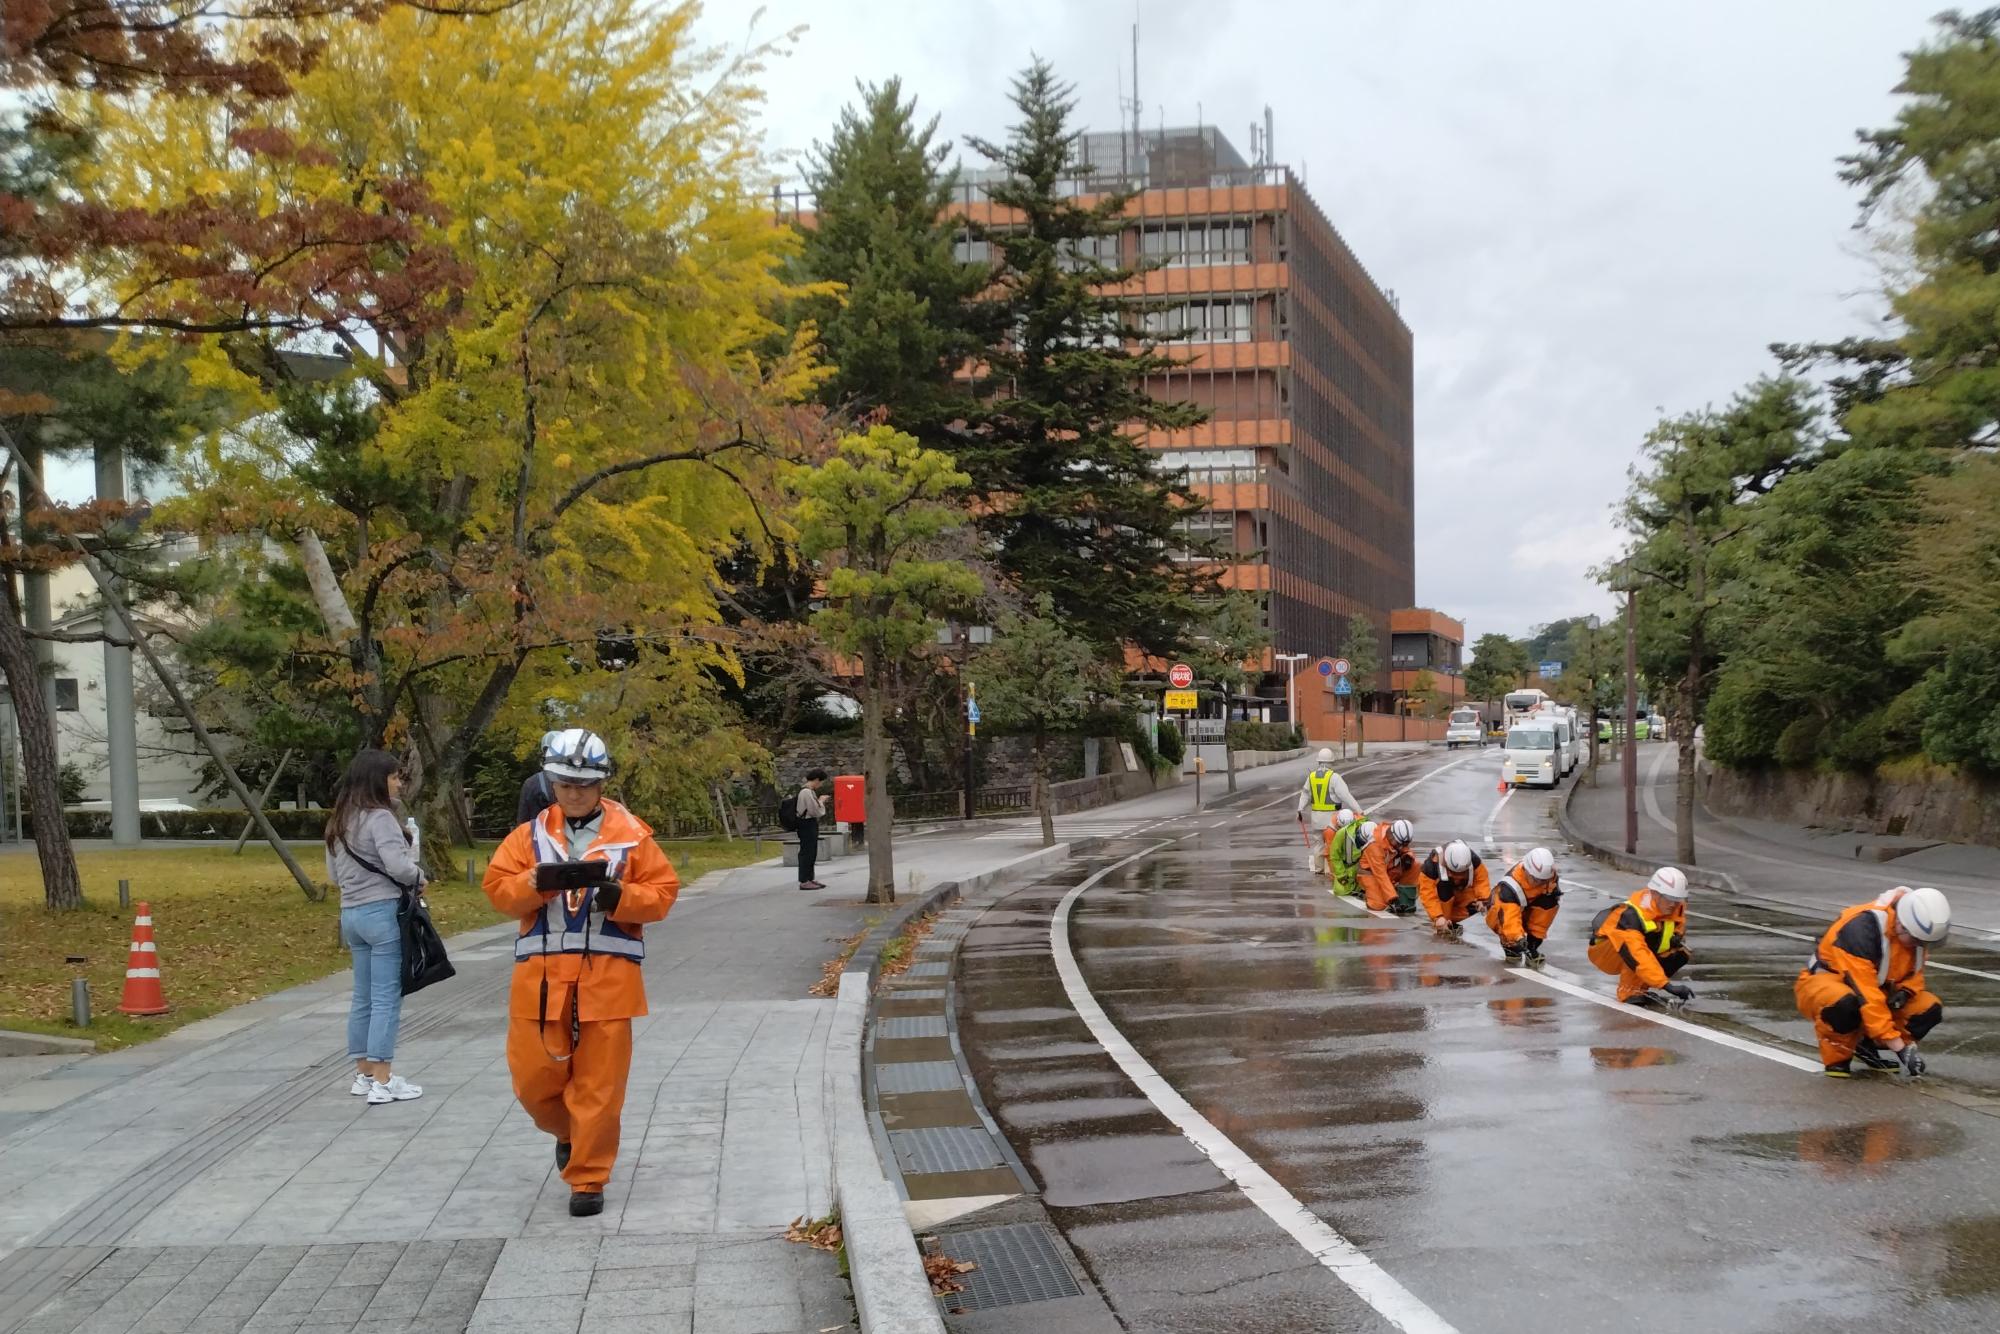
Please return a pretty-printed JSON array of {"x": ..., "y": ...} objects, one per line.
[
  {"x": 1464, "y": 728},
  {"x": 1567, "y": 741},
  {"x": 1531, "y": 756}
]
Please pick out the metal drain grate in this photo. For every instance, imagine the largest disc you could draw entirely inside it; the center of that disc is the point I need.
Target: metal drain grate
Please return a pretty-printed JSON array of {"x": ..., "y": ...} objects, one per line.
[
  {"x": 914, "y": 993},
  {"x": 911, "y": 1026},
  {"x": 945, "y": 1149},
  {"x": 917, "y": 1077},
  {"x": 1018, "y": 1262}
]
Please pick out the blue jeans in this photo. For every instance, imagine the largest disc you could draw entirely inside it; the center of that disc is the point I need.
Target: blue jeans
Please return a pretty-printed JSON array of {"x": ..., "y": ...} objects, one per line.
[{"x": 372, "y": 933}]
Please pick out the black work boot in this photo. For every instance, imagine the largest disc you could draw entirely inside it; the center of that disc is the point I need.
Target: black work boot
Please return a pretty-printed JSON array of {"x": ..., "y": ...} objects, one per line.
[
  {"x": 586, "y": 1203},
  {"x": 562, "y": 1154},
  {"x": 1872, "y": 1056}
]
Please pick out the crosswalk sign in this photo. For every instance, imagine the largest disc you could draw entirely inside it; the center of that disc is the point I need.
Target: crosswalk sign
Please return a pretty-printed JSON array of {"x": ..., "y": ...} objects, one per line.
[{"x": 1341, "y": 687}]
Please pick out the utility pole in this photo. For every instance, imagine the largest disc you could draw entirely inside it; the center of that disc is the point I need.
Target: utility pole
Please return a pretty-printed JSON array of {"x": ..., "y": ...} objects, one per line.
[
  {"x": 1630, "y": 753},
  {"x": 121, "y": 724}
]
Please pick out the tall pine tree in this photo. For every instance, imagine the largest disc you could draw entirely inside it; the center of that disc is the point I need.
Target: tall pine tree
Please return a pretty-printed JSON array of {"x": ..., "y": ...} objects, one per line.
[
  {"x": 897, "y": 332},
  {"x": 1069, "y": 501}
]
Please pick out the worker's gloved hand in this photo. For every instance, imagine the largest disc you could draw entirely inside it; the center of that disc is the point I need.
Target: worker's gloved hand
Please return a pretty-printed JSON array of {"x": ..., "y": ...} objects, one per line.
[
  {"x": 1680, "y": 991},
  {"x": 1913, "y": 1064},
  {"x": 605, "y": 897},
  {"x": 1441, "y": 924},
  {"x": 1900, "y": 997}
]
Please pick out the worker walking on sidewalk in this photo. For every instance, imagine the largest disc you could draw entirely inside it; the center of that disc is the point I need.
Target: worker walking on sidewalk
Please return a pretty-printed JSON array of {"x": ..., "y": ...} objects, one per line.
[
  {"x": 581, "y": 878},
  {"x": 1323, "y": 793},
  {"x": 1864, "y": 988},
  {"x": 1452, "y": 885},
  {"x": 1642, "y": 942},
  {"x": 1524, "y": 906},
  {"x": 1388, "y": 874}
]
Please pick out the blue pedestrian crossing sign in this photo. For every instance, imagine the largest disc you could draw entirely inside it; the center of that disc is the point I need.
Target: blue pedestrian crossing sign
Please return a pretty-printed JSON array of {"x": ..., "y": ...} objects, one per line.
[
  {"x": 972, "y": 710},
  {"x": 1341, "y": 687}
]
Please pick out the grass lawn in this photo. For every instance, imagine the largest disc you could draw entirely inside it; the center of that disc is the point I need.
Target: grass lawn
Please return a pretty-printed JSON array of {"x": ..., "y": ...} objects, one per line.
[{"x": 230, "y": 929}]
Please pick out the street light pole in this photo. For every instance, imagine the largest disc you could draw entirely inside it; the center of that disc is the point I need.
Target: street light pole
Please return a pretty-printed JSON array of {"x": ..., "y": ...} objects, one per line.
[
  {"x": 1631, "y": 752},
  {"x": 1292, "y": 661}
]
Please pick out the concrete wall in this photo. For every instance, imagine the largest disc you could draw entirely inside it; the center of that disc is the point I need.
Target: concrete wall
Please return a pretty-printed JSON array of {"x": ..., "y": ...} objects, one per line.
[{"x": 1933, "y": 804}]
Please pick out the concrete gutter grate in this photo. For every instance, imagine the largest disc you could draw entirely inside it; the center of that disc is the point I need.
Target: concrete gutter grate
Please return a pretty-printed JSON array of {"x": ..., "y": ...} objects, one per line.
[
  {"x": 1018, "y": 1262},
  {"x": 939, "y": 969},
  {"x": 944, "y": 1149},
  {"x": 911, "y": 1026},
  {"x": 917, "y": 1077},
  {"x": 914, "y": 993}
]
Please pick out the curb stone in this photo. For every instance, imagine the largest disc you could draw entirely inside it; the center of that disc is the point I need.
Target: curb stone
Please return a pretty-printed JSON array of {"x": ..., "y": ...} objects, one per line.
[{"x": 1635, "y": 865}]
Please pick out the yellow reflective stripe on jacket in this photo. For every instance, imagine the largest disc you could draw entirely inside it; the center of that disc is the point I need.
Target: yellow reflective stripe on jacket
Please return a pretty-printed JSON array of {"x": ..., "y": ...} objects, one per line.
[
  {"x": 1666, "y": 930},
  {"x": 1319, "y": 784}
]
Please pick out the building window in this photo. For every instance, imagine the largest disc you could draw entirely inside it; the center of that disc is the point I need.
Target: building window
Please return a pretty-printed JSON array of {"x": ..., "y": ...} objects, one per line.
[
  {"x": 1222, "y": 321},
  {"x": 1181, "y": 244},
  {"x": 68, "y": 700},
  {"x": 969, "y": 251},
  {"x": 1210, "y": 465},
  {"x": 1208, "y": 528},
  {"x": 1085, "y": 251}
]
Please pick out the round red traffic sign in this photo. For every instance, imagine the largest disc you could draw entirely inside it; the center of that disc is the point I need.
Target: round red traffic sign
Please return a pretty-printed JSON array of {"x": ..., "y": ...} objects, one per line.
[
  {"x": 1340, "y": 666},
  {"x": 1180, "y": 676}
]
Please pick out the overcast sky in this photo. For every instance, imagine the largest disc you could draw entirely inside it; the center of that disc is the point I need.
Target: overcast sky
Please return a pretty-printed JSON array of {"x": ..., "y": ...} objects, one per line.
[{"x": 1590, "y": 212}]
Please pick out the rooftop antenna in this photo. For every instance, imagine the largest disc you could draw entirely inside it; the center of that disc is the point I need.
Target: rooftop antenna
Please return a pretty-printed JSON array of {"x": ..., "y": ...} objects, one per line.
[
  {"x": 1270, "y": 152},
  {"x": 1136, "y": 104}
]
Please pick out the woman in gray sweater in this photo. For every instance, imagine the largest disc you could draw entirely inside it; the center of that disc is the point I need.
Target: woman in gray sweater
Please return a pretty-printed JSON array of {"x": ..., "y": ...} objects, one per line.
[{"x": 368, "y": 856}]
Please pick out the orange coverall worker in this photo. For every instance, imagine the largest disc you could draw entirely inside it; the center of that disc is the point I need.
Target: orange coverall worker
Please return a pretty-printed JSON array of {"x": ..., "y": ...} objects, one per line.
[
  {"x": 577, "y": 982},
  {"x": 1865, "y": 980},
  {"x": 1523, "y": 910},
  {"x": 1642, "y": 946},
  {"x": 1384, "y": 866},
  {"x": 1449, "y": 897}
]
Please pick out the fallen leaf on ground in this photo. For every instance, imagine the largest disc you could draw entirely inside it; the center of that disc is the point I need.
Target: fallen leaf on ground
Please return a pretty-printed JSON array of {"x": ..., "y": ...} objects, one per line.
[
  {"x": 943, "y": 1272},
  {"x": 821, "y": 1233}
]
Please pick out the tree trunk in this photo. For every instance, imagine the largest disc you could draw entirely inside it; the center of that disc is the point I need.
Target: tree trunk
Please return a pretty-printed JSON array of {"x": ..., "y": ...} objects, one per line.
[
  {"x": 1041, "y": 794},
  {"x": 1684, "y": 742},
  {"x": 876, "y": 803},
  {"x": 1360, "y": 726},
  {"x": 62, "y": 887}
]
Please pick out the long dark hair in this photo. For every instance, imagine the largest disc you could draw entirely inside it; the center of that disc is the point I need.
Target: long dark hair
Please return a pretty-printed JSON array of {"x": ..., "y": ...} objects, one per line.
[{"x": 364, "y": 787}]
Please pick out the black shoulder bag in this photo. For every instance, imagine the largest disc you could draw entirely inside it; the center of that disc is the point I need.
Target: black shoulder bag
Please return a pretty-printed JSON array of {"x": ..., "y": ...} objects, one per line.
[{"x": 424, "y": 960}]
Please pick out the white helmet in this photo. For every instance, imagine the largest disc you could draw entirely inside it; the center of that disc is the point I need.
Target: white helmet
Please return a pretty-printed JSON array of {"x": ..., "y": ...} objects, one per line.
[
  {"x": 1343, "y": 818},
  {"x": 1670, "y": 882},
  {"x": 1325, "y": 756},
  {"x": 1401, "y": 832},
  {"x": 1924, "y": 914},
  {"x": 1457, "y": 858},
  {"x": 549, "y": 740},
  {"x": 1367, "y": 834},
  {"x": 1540, "y": 863},
  {"x": 577, "y": 755}
]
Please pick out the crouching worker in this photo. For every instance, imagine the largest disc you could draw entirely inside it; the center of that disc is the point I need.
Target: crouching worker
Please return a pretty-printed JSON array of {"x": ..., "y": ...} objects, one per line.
[
  {"x": 1864, "y": 989},
  {"x": 1524, "y": 907},
  {"x": 1641, "y": 942},
  {"x": 581, "y": 877},
  {"x": 1388, "y": 873},
  {"x": 1343, "y": 859},
  {"x": 1452, "y": 885}
]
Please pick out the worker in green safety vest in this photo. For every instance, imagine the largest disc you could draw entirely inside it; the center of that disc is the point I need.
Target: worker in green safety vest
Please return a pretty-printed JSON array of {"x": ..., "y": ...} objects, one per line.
[
  {"x": 1350, "y": 839},
  {"x": 1322, "y": 794}
]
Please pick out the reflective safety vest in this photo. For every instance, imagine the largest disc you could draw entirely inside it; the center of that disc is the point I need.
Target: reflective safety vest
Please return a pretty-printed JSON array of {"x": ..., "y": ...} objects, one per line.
[
  {"x": 1659, "y": 935},
  {"x": 580, "y": 928},
  {"x": 1319, "y": 789}
]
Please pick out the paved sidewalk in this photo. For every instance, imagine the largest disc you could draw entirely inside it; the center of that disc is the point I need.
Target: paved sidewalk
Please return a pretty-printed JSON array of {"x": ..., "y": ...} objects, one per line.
[
  {"x": 224, "y": 1179},
  {"x": 1811, "y": 869}
]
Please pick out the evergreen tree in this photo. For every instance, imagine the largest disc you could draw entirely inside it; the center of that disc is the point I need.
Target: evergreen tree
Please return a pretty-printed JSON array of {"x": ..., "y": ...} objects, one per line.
[
  {"x": 898, "y": 330},
  {"x": 1068, "y": 498},
  {"x": 1363, "y": 651}
]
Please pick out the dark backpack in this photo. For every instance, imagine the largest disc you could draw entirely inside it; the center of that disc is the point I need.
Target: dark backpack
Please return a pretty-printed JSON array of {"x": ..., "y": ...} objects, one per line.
[{"x": 788, "y": 814}]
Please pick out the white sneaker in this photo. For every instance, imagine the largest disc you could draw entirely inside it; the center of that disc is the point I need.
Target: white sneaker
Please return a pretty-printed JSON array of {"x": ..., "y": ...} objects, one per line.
[
  {"x": 361, "y": 1086},
  {"x": 398, "y": 1089}
]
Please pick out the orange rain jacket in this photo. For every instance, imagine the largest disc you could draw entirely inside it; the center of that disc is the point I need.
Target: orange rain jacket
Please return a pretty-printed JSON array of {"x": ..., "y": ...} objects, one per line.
[
  {"x": 1638, "y": 948},
  {"x": 1863, "y": 953},
  {"x": 608, "y": 985},
  {"x": 1523, "y": 906},
  {"x": 1383, "y": 867},
  {"x": 1454, "y": 900}
]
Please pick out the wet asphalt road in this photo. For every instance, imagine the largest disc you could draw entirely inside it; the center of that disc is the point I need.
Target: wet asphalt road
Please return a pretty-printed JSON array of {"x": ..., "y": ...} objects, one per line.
[{"x": 1516, "y": 1157}]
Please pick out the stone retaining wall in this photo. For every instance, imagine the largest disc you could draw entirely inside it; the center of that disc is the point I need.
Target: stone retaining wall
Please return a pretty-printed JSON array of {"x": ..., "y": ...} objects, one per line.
[{"x": 1939, "y": 805}]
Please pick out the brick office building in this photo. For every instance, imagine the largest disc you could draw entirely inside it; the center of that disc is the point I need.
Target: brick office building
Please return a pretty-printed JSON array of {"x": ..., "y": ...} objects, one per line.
[{"x": 1303, "y": 361}]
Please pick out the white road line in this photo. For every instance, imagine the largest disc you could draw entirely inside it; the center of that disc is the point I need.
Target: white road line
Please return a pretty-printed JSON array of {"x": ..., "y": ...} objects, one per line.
[
  {"x": 1423, "y": 778},
  {"x": 1777, "y": 930},
  {"x": 1493, "y": 818},
  {"x": 1345, "y": 1261},
  {"x": 1557, "y": 980}
]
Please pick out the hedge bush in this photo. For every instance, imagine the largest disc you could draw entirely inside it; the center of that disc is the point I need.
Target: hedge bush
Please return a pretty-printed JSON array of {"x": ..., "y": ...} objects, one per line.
[
  {"x": 1170, "y": 745},
  {"x": 1264, "y": 736},
  {"x": 221, "y": 822}
]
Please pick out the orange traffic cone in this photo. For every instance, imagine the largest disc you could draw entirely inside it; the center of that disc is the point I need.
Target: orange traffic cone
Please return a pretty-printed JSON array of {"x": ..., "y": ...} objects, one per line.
[{"x": 143, "y": 993}]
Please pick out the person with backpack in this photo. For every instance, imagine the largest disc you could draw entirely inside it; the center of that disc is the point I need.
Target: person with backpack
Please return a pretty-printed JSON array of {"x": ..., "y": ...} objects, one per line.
[
  {"x": 801, "y": 815},
  {"x": 536, "y": 794},
  {"x": 368, "y": 855}
]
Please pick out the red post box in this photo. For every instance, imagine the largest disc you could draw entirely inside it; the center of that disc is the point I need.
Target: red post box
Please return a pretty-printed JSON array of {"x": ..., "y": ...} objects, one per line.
[{"x": 848, "y": 806}]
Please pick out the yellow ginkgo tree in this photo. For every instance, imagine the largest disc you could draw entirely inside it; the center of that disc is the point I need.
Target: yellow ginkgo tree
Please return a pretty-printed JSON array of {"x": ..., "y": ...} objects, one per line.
[{"x": 598, "y": 417}]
